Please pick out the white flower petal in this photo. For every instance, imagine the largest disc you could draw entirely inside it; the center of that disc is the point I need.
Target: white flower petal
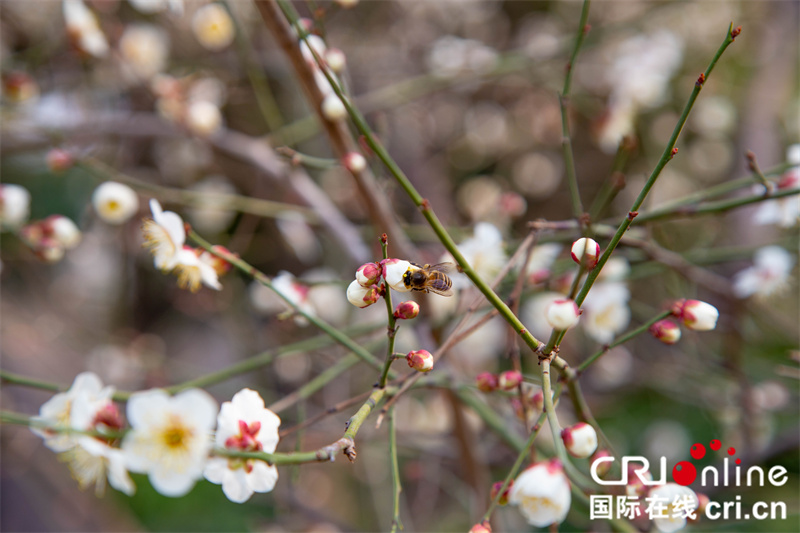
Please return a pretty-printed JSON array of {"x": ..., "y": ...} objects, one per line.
[
  {"x": 171, "y": 483},
  {"x": 147, "y": 407},
  {"x": 263, "y": 477}
]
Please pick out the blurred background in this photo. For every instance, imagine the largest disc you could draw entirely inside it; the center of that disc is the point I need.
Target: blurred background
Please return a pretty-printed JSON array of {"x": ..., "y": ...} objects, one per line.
[{"x": 188, "y": 108}]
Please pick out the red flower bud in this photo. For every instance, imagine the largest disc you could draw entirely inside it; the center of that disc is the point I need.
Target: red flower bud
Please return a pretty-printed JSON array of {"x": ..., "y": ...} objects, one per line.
[
  {"x": 509, "y": 380},
  {"x": 420, "y": 360},
  {"x": 406, "y": 310},
  {"x": 486, "y": 382}
]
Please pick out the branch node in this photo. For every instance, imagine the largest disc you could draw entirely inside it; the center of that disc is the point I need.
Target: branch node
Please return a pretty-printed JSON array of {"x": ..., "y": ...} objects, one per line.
[
  {"x": 735, "y": 32},
  {"x": 701, "y": 79},
  {"x": 632, "y": 214}
]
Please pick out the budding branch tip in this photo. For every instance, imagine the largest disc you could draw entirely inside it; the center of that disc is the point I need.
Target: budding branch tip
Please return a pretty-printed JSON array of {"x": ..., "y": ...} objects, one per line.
[
  {"x": 673, "y": 153},
  {"x": 735, "y": 32},
  {"x": 701, "y": 79}
]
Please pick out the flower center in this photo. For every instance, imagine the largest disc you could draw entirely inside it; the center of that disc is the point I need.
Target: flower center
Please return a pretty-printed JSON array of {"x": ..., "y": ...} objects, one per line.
[{"x": 176, "y": 436}]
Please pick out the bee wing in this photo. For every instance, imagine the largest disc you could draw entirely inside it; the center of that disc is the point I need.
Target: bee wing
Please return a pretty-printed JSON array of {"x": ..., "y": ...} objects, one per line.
[
  {"x": 442, "y": 267},
  {"x": 440, "y": 286}
]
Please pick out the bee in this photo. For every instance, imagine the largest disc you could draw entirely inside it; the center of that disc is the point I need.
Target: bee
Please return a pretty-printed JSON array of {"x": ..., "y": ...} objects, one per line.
[{"x": 429, "y": 278}]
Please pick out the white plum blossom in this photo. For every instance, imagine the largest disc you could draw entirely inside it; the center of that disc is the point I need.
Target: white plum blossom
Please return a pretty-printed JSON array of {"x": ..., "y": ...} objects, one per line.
[
  {"x": 193, "y": 268},
  {"x": 64, "y": 231},
  {"x": 542, "y": 493},
  {"x": 696, "y": 315},
  {"x": 580, "y": 440},
  {"x": 769, "y": 274},
  {"x": 393, "y": 271},
  {"x": 114, "y": 202},
  {"x": 164, "y": 235},
  {"x": 562, "y": 314},
  {"x": 144, "y": 49},
  {"x": 213, "y": 27},
  {"x": 533, "y": 313},
  {"x": 170, "y": 437},
  {"x": 785, "y": 212},
  {"x": 671, "y": 504},
  {"x": 15, "y": 204},
  {"x": 541, "y": 260},
  {"x": 87, "y": 389},
  {"x": 92, "y": 462},
  {"x": 605, "y": 311},
  {"x": 362, "y": 296},
  {"x": 244, "y": 424},
  {"x": 586, "y": 246},
  {"x": 483, "y": 251},
  {"x": 84, "y": 29},
  {"x": 639, "y": 79}
]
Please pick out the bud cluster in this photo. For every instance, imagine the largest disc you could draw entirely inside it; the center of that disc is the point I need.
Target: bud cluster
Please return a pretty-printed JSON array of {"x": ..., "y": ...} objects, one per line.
[
  {"x": 374, "y": 279},
  {"x": 51, "y": 237}
]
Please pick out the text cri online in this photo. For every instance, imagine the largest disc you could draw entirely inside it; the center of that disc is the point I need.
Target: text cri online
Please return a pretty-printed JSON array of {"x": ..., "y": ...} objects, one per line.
[{"x": 733, "y": 510}]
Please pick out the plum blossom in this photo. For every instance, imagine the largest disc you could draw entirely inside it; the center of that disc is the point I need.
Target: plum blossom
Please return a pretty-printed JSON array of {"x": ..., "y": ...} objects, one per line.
[
  {"x": 164, "y": 235},
  {"x": 213, "y": 27},
  {"x": 671, "y": 504},
  {"x": 361, "y": 296},
  {"x": 195, "y": 268},
  {"x": 114, "y": 202},
  {"x": 393, "y": 271},
  {"x": 785, "y": 212},
  {"x": 542, "y": 493},
  {"x": 15, "y": 203},
  {"x": 483, "y": 251},
  {"x": 606, "y": 311},
  {"x": 562, "y": 314},
  {"x": 541, "y": 261},
  {"x": 768, "y": 275},
  {"x": 84, "y": 29},
  {"x": 580, "y": 440},
  {"x": 244, "y": 424},
  {"x": 170, "y": 437}
]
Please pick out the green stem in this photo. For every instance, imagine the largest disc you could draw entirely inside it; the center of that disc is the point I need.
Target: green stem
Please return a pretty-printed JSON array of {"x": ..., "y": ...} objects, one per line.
[
  {"x": 264, "y": 99},
  {"x": 622, "y": 340},
  {"x": 715, "y": 207},
  {"x": 563, "y": 99},
  {"x": 262, "y": 278},
  {"x": 16, "y": 379},
  {"x": 221, "y": 201},
  {"x": 424, "y": 205},
  {"x": 512, "y": 473},
  {"x": 396, "y": 487},
  {"x": 391, "y": 327},
  {"x": 665, "y": 158}
]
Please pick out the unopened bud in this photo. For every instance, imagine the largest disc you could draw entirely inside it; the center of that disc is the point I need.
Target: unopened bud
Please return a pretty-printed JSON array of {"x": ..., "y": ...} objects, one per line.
[
  {"x": 481, "y": 527},
  {"x": 354, "y": 162},
  {"x": 486, "y": 382},
  {"x": 509, "y": 380},
  {"x": 336, "y": 60},
  {"x": 420, "y": 360},
  {"x": 333, "y": 109},
  {"x": 361, "y": 296},
  {"x": 604, "y": 467},
  {"x": 696, "y": 315},
  {"x": 587, "y": 247},
  {"x": 406, "y": 310},
  {"x": 59, "y": 160},
  {"x": 63, "y": 230},
  {"x": 368, "y": 274},
  {"x": 580, "y": 440},
  {"x": 496, "y": 487},
  {"x": 220, "y": 266},
  {"x": 562, "y": 314},
  {"x": 666, "y": 331}
]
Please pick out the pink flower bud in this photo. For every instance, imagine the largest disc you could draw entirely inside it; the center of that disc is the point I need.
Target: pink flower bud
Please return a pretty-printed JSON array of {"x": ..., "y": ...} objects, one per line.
[
  {"x": 420, "y": 360},
  {"x": 580, "y": 440},
  {"x": 696, "y": 315},
  {"x": 486, "y": 382},
  {"x": 406, "y": 310},
  {"x": 59, "y": 160},
  {"x": 509, "y": 380},
  {"x": 586, "y": 246},
  {"x": 482, "y": 527},
  {"x": 368, "y": 274},
  {"x": 604, "y": 467},
  {"x": 666, "y": 331},
  {"x": 562, "y": 314},
  {"x": 538, "y": 400},
  {"x": 362, "y": 296},
  {"x": 496, "y": 489}
]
